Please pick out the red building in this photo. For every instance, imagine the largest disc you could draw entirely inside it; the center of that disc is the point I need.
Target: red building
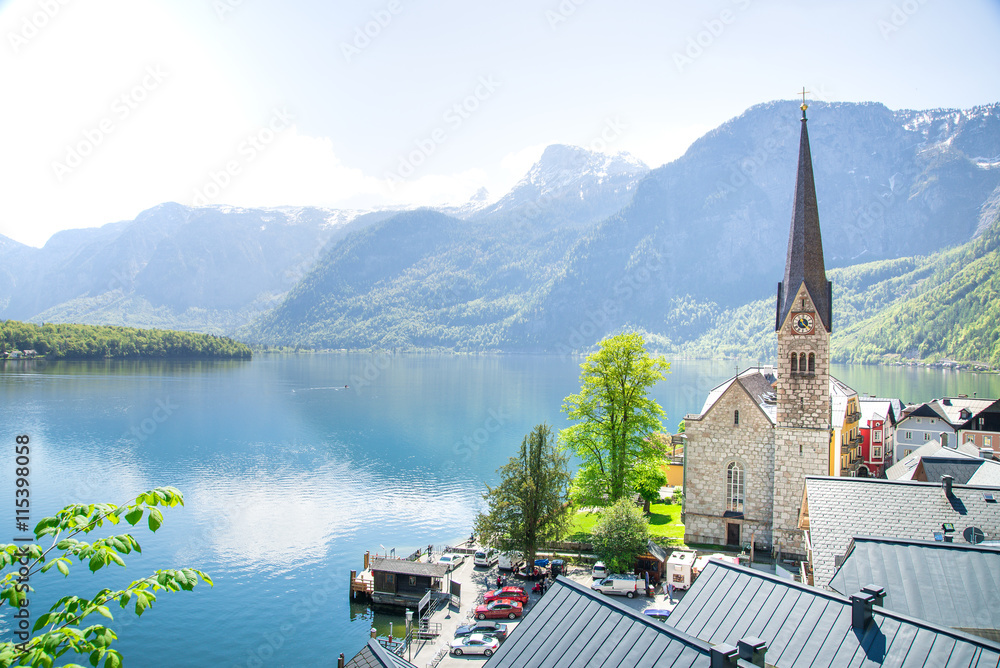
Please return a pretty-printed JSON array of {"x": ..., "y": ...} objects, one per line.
[{"x": 878, "y": 419}]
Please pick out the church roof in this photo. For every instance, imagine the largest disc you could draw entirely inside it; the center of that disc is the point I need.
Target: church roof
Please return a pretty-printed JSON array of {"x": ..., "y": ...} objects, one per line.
[
  {"x": 758, "y": 383},
  {"x": 804, "y": 262}
]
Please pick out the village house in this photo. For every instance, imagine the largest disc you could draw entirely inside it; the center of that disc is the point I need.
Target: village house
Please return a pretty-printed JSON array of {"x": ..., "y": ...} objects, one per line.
[{"x": 877, "y": 428}]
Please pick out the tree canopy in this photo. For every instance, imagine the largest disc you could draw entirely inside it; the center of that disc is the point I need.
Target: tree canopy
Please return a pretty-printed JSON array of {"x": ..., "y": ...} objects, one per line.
[
  {"x": 530, "y": 503},
  {"x": 616, "y": 420},
  {"x": 106, "y": 342},
  {"x": 620, "y": 535},
  {"x": 60, "y": 630}
]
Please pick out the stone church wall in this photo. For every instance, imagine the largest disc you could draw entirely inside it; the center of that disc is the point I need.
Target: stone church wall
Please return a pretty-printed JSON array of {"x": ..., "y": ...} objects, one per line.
[{"x": 713, "y": 442}]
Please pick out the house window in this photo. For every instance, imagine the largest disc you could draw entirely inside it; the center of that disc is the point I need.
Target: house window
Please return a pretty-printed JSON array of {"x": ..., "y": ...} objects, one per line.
[
  {"x": 795, "y": 363},
  {"x": 390, "y": 578},
  {"x": 909, "y": 435},
  {"x": 969, "y": 438},
  {"x": 927, "y": 436},
  {"x": 812, "y": 362},
  {"x": 907, "y": 452},
  {"x": 802, "y": 362},
  {"x": 413, "y": 580},
  {"x": 877, "y": 436},
  {"x": 933, "y": 421},
  {"x": 736, "y": 418},
  {"x": 877, "y": 452},
  {"x": 734, "y": 487},
  {"x": 987, "y": 441}
]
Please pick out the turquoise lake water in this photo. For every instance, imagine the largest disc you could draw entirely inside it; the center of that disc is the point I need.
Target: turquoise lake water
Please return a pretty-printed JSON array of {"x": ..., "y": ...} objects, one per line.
[{"x": 289, "y": 476}]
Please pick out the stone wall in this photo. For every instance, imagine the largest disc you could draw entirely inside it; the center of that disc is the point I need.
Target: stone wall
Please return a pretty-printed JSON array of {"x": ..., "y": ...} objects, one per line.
[{"x": 714, "y": 440}]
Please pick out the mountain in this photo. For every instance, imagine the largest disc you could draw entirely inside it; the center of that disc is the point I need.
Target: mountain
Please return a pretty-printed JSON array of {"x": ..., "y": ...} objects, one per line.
[
  {"x": 584, "y": 245},
  {"x": 570, "y": 186},
  {"x": 207, "y": 269},
  {"x": 430, "y": 280},
  {"x": 694, "y": 240}
]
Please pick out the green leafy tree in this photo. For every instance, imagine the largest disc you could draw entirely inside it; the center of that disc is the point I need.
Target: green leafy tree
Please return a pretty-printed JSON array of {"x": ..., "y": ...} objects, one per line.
[
  {"x": 620, "y": 535},
  {"x": 61, "y": 630},
  {"x": 530, "y": 504},
  {"x": 616, "y": 421}
]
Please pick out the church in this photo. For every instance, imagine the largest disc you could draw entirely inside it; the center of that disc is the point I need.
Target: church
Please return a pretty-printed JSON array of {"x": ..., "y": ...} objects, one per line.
[{"x": 761, "y": 432}]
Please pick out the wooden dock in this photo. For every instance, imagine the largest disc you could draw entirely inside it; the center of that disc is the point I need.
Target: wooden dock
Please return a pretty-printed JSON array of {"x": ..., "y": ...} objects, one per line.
[{"x": 362, "y": 585}]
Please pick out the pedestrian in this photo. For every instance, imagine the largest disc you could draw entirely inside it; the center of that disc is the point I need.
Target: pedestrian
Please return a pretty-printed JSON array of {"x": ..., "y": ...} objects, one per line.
[{"x": 499, "y": 582}]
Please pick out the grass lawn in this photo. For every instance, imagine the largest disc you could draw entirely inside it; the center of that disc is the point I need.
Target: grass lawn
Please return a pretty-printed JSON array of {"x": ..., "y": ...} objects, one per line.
[{"x": 664, "y": 525}]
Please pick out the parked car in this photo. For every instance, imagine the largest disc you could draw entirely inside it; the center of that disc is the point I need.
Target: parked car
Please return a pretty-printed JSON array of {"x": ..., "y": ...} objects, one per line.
[
  {"x": 509, "y": 561},
  {"x": 499, "y": 610},
  {"x": 487, "y": 627},
  {"x": 506, "y": 594},
  {"x": 452, "y": 561},
  {"x": 486, "y": 558},
  {"x": 600, "y": 571},
  {"x": 476, "y": 643},
  {"x": 557, "y": 567},
  {"x": 619, "y": 584}
]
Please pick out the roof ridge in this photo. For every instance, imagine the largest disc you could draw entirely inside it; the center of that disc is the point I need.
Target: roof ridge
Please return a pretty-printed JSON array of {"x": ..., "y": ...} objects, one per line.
[
  {"x": 990, "y": 488},
  {"x": 845, "y": 600},
  {"x": 604, "y": 600}
]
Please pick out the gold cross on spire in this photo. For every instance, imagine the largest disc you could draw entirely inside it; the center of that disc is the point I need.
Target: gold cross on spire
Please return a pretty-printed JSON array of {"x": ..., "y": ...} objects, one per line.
[{"x": 804, "y": 105}]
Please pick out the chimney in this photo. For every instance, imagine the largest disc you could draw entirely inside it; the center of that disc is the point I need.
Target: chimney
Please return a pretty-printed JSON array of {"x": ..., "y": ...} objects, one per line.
[
  {"x": 878, "y": 594},
  {"x": 753, "y": 650},
  {"x": 861, "y": 611},
  {"x": 724, "y": 655},
  {"x": 340, "y": 660},
  {"x": 946, "y": 481}
]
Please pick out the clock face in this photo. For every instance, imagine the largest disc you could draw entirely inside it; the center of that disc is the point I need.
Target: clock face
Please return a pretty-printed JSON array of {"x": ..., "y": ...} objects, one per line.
[{"x": 802, "y": 323}]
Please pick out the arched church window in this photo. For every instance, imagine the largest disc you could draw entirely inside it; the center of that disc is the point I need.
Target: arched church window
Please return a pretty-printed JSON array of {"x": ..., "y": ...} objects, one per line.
[
  {"x": 795, "y": 363},
  {"x": 802, "y": 362},
  {"x": 812, "y": 362},
  {"x": 735, "y": 479},
  {"x": 736, "y": 417}
]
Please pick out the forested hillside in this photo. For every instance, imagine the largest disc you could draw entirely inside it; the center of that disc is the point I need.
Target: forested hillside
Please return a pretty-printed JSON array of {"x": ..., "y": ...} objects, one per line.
[
  {"x": 952, "y": 311},
  {"x": 943, "y": 306},
  {"x": 100, "y": 342}
]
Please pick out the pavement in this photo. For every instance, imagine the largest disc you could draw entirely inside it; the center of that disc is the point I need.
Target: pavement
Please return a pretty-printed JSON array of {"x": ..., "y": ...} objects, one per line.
[{"x": 475, "y": 582}]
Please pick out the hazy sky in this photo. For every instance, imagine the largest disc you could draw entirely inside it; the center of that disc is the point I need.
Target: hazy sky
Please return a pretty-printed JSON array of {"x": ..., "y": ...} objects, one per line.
[{"x": 113, "y": 106}]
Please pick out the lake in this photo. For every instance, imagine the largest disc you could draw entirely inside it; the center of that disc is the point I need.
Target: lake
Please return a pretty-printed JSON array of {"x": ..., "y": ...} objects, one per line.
[{"x": 291, "y": 467}]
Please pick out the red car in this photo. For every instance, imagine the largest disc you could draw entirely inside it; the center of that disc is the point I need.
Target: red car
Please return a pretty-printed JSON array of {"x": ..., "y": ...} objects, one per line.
[
  {"x": 499, "y": 609},
  {"x": 507, "y": 594}
]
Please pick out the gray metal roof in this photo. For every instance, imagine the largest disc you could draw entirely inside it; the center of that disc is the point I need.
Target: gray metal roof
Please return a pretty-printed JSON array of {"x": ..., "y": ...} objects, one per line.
[
  {"x": 839, "y": 509},
  {"x": 804, "y": 626},
  {"x": 573, "y": 625},
  {"x": 952, "y": 584},
  {"x": 374, "y": 655},
  {"x": 961, "y": 469},
  {"x": 404, "y": 567}
]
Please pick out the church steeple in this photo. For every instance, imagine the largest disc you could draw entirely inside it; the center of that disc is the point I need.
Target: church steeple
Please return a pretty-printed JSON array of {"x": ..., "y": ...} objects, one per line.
[{"x": 804, "y": 262}]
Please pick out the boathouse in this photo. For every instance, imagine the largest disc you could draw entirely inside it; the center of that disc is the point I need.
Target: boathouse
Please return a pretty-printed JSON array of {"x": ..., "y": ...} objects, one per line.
[{"x": 402, "y": 583}]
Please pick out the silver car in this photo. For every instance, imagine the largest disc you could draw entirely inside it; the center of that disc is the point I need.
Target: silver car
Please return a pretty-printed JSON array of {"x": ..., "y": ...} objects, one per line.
[{"x": 477, "y": 643}]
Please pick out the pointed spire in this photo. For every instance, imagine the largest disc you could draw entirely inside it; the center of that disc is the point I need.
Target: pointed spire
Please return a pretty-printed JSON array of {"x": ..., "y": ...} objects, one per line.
[{"x": 805, "y": 245}]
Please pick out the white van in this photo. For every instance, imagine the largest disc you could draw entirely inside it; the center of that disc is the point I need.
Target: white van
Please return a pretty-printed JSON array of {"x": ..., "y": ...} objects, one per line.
[
  {"x": 629, "y": 585},
  {"x": 508, "y": 561},
  {"x": 485, "y": 558}
]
